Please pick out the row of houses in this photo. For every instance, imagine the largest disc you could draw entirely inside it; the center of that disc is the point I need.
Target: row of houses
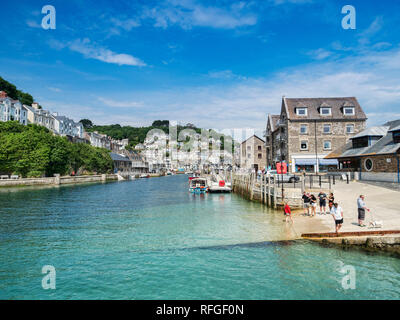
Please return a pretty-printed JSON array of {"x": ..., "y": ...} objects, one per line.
[
  {"x": 14, "y": 110},
  {"x": 325, "y": 135}
]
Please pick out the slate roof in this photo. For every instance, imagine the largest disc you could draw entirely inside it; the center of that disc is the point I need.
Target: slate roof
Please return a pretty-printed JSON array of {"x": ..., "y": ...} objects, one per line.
[
  {"x": 274, "y": 118},
  {"x": 252, "y": 137},
  {"x": 313, "y": 106},
  {"x": 385, "y": 145},
  {"x": 117, "y": 157},
  {"x": 378, "y": 131}
]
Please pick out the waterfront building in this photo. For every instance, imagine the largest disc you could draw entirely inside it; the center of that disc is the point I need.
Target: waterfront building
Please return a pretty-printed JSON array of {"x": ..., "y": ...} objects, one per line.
[
  {"x": 12, "y": 110},
  {"x": 308, "y": 129},
  {"x": 122, "y": 163},
  {"x": 252, "y": 154},
  {"x": 372, "y": 154}
]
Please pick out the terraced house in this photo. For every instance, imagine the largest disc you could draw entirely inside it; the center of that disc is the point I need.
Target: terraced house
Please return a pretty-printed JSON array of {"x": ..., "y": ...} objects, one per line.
[
  {"x": 308, "y": 129},
  {"x": 12, "y": 110}
]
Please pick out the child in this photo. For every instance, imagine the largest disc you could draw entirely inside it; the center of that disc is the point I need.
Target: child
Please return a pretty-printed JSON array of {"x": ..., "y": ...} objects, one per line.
[{"x": 288, "y": 212}]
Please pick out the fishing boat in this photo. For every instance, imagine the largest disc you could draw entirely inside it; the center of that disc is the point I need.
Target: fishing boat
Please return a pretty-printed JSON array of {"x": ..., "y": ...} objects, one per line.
[{"x": 198, "y": 185}]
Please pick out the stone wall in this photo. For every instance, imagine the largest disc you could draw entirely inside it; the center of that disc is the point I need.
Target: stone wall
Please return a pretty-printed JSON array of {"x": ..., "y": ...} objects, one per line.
[
  {"x": 338, "y": 135},
  {"x": 57, "y": 180},
  {"x": 380, "y": 164}
]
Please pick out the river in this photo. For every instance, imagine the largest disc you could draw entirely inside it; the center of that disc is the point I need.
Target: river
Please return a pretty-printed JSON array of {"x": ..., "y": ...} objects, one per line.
[{"x": 151, "y": 239}]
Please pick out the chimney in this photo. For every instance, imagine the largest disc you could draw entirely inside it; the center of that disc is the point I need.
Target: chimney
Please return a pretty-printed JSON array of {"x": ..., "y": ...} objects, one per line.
[
  {"x": 35, "y": 105},
  {"x": 3, "y": 94}
]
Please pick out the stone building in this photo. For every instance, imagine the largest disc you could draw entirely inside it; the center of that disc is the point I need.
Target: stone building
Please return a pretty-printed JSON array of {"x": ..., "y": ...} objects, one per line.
[
  {"x": 252, "y": 154},
  {"x": 308, "y": 129},
  {"x": 373, "y": 154}
]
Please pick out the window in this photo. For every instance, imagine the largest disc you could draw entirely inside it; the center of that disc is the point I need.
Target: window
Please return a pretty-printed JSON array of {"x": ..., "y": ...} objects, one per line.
[
  {"x": 325, "y": 111},
  {"x": 348, "y": 111},
  {"x": 327, "y": 145},
  {"x": 259, "y": 148},
  {"x": 301, "y": 111},
  {"x": 248, "y": 155},
  {"x": 303, "y": 129},
  {"x": 259, "y": 156},
  {"x": 396, "y": 136},
  {"x": 349, "y": 128},
  {"x": 327, "y": 128},
  {"x": 304, "y": 145},
  {"x": 368, "y": 164},
  {"x": 248, "y": 148},
  {"x": 360, "y": 142}
]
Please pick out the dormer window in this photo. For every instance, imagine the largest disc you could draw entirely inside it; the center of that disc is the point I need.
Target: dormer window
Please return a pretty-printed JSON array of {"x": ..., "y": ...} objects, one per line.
[
  {"x": 396, "y": 136},
  {"x": 301, "y": 111},
  {"x": 325, "y": 111},
  {"x": 348, "y": 111}
]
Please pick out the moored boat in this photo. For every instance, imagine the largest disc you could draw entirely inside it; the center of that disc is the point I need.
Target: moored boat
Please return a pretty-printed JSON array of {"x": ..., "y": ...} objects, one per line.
[{"x": 198, "y": 185}]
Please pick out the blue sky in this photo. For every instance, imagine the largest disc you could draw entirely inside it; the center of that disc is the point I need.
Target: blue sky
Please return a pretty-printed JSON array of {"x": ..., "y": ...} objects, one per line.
[{"x": 217, "y": 64}]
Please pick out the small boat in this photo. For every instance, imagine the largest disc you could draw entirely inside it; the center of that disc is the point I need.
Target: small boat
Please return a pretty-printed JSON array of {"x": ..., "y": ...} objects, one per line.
[
  {"x": 169, "y": 173},
  {"x": 198, "y": 185},
  {"x": 145, "y": 175}
]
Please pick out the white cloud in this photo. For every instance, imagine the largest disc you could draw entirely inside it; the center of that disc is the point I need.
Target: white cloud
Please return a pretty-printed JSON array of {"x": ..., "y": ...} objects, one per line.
[
  {"x": 120, "y": 104},
  {"x": 320, "y": 54},
  {"x": 54, "y": 89},
  {"x": 33, "y": 24},
  {"x": 188, "y": 14},
  {"x": 92, "y": 51}
]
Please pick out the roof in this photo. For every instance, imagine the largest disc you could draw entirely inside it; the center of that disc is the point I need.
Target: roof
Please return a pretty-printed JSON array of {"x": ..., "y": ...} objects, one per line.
[
  {"x": 314, "y": 104},
  {"x": 252, "y": 137},
  {"x": 118, "y": 157},
  {"x": 274, "y": 118},
  {"x": 377, "y": 131},
  {"x": 385, "y": 145}
]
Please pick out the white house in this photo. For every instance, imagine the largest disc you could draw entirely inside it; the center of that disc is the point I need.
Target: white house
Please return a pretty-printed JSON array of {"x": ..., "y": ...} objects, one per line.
[{"x": 12, "y": 110}]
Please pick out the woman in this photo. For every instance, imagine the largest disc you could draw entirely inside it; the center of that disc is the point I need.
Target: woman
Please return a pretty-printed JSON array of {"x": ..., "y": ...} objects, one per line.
[
  {"x": 313, "y": 202},
  {"x": 331, "y": 200}
]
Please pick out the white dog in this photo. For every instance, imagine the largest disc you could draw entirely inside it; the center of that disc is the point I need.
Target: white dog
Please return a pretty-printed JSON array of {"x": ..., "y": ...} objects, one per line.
[{"x": 375, "y": 224}]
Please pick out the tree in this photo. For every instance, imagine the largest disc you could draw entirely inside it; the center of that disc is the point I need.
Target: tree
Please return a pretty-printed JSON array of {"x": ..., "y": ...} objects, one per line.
[
  {"x": 87, "y": 124},
  {"x": 160, "y": 123}
]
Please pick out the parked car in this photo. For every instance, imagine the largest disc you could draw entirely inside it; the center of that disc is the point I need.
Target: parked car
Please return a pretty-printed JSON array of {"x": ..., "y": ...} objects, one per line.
[{"x": 286, "y": 177}]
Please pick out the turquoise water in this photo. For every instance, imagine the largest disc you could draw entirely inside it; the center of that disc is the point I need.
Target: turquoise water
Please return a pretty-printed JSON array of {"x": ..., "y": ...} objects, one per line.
[{"x": 151, "y": 239}]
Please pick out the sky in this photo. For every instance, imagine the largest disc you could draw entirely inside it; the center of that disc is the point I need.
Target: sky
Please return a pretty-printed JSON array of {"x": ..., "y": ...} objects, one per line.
[{"x": 218, "y": 64}]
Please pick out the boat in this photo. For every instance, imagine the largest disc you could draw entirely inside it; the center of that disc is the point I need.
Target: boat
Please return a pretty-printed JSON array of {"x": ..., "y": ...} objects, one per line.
[
  {"x": 221, "y": 186},
  {"x": 198, "y": 185},
  {"x": 144, "y": 175}
]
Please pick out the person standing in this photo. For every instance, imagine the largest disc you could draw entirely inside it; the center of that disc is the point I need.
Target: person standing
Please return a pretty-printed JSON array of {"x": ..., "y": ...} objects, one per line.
[
  {"x": 337, "y": 213},
  {"x": 361, "y": 210},
  {"x": 288, "y": 213},
  {"x": 313, "y": 203},
  {"x": 331, "y": 200},
  {"x": 322, "y": 202},
  {"x": 306, "y": 203}
]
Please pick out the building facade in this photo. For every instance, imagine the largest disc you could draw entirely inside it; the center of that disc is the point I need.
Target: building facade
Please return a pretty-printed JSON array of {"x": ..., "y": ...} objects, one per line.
[
  {"x": 373, "y": 154},
  {"x": 252, "y": 154},
  {"x": 308, "y": 129},
  {"x": 12, "y": 110}
]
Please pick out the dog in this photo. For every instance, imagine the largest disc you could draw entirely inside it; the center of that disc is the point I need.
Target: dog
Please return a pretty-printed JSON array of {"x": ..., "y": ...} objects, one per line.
[{"x": 375, "y": 224}]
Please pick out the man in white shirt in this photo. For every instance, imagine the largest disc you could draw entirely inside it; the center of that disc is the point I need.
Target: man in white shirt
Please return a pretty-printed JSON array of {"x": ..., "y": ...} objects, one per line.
[{"x": 337, "y": 213}]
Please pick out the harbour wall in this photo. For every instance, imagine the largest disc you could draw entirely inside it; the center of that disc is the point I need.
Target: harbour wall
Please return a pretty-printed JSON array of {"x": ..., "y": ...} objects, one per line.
[
  {"x": 268, "y": 192},
  {"x": 57, "y": 180}
]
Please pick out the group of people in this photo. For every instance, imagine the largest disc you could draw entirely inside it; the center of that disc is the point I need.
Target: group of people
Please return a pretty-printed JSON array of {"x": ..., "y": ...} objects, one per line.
[
  {"x": 310, "y": 208},
  {"x": 310, "y": 203}
]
